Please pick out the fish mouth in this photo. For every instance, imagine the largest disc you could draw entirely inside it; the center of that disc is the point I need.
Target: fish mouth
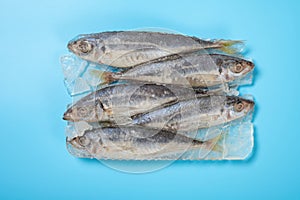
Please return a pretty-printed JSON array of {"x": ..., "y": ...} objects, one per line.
[
  {"x": 251, "y": 104},
  {"x": 75, "y": 150},
  {"x": 71, "y": 46},
  {"x": 67, "y": 116},
  {"x": 73, "y": 43},
  {"x": 250, "y": 66}
]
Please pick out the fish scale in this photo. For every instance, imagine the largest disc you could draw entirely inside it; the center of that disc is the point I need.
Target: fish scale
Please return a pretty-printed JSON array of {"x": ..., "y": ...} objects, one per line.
[
  {"x": 191, "y": 115},
  {"x": 156, "y": 114},
  {"x": 127, "y": 100},
  {"x": 133, "y": 143},
  {"x": 108, "y": 47},
  {"x": 194, "y": 69}
]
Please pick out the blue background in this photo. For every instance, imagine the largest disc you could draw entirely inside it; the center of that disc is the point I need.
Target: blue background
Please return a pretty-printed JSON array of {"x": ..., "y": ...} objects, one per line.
[{"x": 34, "y": 161}]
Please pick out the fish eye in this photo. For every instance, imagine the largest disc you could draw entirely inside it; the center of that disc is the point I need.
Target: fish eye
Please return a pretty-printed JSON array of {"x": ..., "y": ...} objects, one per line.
[
  {"x": 83, "y": 141},
  {"x": 238, "y": 107},
  {"x": 237, "y": 68},
  {"x": 85, "y": 46},
  {"x": 82, "y": 111}
]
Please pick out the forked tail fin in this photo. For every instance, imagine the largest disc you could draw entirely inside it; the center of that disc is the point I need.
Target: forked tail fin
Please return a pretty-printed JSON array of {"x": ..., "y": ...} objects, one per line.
[
  {"x": 104, "y": 76},
  {"x": 231, "y": 46},
  {"x": 208, "y": 145},
  {"x": 216, "y": 147}
]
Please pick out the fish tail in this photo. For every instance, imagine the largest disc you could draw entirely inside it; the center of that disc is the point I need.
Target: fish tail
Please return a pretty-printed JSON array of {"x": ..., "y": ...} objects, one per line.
[
  {"x": 214, "y": 143},
  {"x": 210, "y": 145},
  {"x": 104, "y": 76},
  {"x": 218, "y": 148},
  {"x": 231, "y": 46},
  {"x": 208, "y": 91}
]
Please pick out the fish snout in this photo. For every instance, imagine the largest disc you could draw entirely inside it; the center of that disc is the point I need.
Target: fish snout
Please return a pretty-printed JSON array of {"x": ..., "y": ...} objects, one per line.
[
  {"x": 71, "y": 46},
  {"x": 251, "y": 105},
  {"x": 249, "y": 66},
  {"x": 67, "y": 116}
]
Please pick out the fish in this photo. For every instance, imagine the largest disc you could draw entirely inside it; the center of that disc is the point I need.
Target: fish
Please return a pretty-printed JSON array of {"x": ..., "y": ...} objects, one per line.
[
  {"x": 191, "y": 115},
  {"x": 136, "y": 143},
  {"x": 123, "y": 49},
  {"x": 119, "y": 102},
  {"x": 192, "y": 69}
]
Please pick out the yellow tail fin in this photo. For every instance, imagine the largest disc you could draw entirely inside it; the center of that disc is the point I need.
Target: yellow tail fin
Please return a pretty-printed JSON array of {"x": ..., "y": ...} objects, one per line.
[
  {"x": 231, "y": 46},
  {"x": 214, "y": 142},
  {"x": 105, "y": 77}
]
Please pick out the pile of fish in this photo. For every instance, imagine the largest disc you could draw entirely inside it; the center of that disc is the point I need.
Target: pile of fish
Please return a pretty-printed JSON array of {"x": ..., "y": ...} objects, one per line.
[{"x": 157, "y": 96}]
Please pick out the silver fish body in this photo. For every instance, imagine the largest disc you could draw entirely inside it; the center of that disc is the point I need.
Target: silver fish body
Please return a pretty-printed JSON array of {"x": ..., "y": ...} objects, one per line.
[
  {"x": 123, "y": 101},
  {"x": 133, "y": 143},
  {"x": 129, "y": 48},
  {"x": 191, "y": 115},
  {"x": 192, "y": 69}
]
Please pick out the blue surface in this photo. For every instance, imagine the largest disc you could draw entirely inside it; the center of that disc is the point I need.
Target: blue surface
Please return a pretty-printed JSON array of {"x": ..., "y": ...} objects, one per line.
[{"x": 34, "y": 161}]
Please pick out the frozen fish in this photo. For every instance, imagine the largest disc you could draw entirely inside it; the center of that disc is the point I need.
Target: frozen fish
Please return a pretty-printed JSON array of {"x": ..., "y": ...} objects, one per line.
[
  {"x": 129, "y": 99},
  {"x": 134, "y": 143},
  {"x": 192, "y": 69},
  {"x": 129, "y": 48},
  {"x": 191, "y": 115}
]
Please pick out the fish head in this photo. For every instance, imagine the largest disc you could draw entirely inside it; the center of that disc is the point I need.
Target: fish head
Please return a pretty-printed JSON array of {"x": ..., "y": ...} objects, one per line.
[
  {"x": 78, "y": 146},
  {"x": 88, "y": 145},
  {"x": 237, "y": 107},
  {"x": 235, "y": 68},
  {"x": 87, "y": 47},
  {"x": 84, "y": 110}
]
